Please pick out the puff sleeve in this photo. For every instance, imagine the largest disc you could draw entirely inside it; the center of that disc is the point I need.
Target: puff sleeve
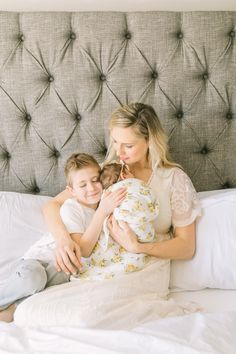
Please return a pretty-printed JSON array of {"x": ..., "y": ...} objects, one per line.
[{"x": 185, "y": 205}]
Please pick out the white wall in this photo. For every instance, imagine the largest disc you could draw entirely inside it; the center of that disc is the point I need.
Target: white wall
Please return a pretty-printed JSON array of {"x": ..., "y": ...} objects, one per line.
[{"x": 116, "y": 5}]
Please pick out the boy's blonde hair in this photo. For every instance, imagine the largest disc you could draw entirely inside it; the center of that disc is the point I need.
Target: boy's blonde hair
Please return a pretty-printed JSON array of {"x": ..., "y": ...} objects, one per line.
[
  {"x": 77, "y": 162},
  {"x": 146, "y": 124}
]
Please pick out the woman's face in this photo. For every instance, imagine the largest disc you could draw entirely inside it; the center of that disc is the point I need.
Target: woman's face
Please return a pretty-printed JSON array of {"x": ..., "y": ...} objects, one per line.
[{"x": 129, "y": 146}]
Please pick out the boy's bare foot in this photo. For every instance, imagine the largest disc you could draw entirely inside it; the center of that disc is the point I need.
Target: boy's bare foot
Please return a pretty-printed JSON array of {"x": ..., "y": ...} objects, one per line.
[{"x": 7, "y": 315}]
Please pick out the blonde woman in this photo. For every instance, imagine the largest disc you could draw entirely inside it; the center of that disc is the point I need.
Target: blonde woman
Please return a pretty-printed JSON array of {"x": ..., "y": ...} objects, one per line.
[{"x": 138, "y": 139}]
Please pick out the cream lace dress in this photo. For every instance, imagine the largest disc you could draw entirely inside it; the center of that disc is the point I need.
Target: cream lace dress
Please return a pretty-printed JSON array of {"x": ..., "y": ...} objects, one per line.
[{"x": 177, "y": 197}]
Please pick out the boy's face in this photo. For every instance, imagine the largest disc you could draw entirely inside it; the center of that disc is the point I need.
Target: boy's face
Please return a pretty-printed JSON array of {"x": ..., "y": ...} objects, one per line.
[{"x": 86, "y": 186}]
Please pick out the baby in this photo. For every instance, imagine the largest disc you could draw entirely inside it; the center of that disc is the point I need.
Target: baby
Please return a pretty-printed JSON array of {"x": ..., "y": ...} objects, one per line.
[{"x": 140, "y": 207}]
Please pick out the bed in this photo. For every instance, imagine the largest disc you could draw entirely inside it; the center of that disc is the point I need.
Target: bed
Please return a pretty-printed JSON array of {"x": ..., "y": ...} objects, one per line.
[{"x": 62, "y": 74}]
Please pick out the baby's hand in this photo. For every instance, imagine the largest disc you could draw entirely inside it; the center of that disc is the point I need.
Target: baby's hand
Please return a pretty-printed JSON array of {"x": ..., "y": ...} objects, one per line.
[
  {"x": 125, "y": 172},
  {"x": 111, "y": 200}
]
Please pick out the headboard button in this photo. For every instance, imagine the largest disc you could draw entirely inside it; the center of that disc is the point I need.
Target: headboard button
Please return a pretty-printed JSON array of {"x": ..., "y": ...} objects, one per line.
[
  {"x": 78, "y": 117},
  {"x": 28, "y": 117},
  {"x": 56, "y": 153},
  {"x": 21, "y": 37},
  {"x": 179, "y": 115},
  {"x": 50, "y": 78},
  {"x": 7, "y": 155},
  {"x": 205, "y": 76},
  {"x": 229, "y": 115},
  {"x": 36, "y": 190},
  {"x": 128, "y": 35},
  {"x": 180, "y": 35},
  {"x": 232, "y": 34},
  {"x": 102, "y": 77},
  {"x": 204, "y": 151},
  {"x": 154, "y": 75},
  {"x": 72, "y": 35}
]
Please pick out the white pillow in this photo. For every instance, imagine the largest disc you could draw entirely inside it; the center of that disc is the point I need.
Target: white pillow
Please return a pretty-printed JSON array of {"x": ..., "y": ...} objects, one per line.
[
  {"x": 214, "y": 263},
  {"x": 21, "y": 224}
]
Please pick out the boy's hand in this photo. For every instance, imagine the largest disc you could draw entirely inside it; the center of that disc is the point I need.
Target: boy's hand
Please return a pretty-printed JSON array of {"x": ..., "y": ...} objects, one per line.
[
  {"x": 111, "y": 200},
  {"x": 68, "y": 256}
]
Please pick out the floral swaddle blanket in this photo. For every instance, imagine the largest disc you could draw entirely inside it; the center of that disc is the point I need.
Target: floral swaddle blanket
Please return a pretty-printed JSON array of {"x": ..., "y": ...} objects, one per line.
[{"x": 139, "y": 209}]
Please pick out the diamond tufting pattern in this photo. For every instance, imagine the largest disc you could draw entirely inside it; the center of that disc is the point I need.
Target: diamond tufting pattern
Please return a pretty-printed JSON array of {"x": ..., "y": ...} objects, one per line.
[{"x": 62, "y": 74}]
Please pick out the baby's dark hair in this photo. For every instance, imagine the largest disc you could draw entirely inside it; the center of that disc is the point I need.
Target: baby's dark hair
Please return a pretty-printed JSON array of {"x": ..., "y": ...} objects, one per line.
[
  {"x": 110, "y": 174},
  {"x": 77, "y": 162}
]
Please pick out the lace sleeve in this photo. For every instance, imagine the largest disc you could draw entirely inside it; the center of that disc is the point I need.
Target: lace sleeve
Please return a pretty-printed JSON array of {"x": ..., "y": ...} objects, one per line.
[{"x": 184, "y": 201}]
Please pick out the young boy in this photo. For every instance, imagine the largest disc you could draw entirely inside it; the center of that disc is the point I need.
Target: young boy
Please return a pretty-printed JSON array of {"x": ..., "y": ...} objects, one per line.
[{"x": 84, "y": 219}]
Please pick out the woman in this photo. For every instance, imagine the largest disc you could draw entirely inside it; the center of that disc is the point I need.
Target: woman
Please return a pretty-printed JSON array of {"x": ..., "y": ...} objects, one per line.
[{"x": 138, "y": 139}]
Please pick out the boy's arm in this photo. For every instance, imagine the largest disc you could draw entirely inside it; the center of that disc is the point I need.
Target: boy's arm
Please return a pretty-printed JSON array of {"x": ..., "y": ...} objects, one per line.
[
  {"x": 67, "y": 253},
  {"x": 88, "y": 239}
]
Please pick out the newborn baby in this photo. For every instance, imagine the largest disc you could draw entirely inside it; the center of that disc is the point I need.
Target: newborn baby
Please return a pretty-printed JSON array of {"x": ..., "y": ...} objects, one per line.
[{"x": 139, "y": 208}]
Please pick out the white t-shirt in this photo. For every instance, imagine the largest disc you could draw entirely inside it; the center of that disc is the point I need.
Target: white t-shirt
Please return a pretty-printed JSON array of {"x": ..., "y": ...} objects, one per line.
[{"x": 76, "y": 218}]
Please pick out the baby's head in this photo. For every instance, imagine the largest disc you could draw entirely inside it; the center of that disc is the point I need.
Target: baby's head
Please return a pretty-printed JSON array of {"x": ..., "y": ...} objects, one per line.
[
  {"x": 112, "y": 173},
  {"x": 82, "y": 173}
]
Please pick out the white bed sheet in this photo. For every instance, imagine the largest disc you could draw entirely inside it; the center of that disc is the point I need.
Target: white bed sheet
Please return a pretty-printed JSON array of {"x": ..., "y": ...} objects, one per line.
[{"x": 212, "y": 331}]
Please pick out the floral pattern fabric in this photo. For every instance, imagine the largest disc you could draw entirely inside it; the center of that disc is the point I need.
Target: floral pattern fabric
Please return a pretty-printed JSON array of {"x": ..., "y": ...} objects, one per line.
[{"x": 139, "y": 209}]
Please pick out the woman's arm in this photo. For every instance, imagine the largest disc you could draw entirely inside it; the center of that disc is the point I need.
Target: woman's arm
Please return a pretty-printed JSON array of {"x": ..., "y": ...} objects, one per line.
[
  {"x": 67, "y": 252},
  {"x": 181, "y": 246},
  {"x": 51, "y": 212}
]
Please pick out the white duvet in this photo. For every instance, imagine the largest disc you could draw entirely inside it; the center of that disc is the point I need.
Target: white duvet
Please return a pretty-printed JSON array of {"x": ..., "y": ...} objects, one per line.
[
  {"x": 120, "y": 303},
  {"x": 195, "y": 333}
]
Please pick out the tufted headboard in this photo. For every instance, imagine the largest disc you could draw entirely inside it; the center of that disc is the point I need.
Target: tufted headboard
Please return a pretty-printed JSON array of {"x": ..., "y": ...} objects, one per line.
[{"x": 62, "y": 74}]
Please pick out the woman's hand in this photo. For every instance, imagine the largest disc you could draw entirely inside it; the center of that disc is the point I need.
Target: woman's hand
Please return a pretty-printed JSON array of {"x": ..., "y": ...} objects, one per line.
[
  {"x": 112, "y": 200},
  {"x": 67, "y": 256},
  {"x": 123, "y": 235}
]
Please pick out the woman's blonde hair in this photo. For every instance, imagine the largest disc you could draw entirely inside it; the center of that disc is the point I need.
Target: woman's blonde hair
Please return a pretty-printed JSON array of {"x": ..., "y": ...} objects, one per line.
[{"x": 144, "y": 120}]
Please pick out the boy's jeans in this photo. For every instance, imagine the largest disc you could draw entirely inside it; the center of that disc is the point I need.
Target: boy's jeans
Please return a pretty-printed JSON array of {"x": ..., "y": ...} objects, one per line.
[{"x": 29, "y": 277}]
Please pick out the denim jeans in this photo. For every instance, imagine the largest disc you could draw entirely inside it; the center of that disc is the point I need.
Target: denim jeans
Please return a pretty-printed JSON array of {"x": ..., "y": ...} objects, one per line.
[{"x": 29, "y": 277}]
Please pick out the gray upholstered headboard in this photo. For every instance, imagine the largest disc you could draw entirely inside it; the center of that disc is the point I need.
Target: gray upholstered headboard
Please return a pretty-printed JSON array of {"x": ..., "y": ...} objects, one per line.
[{"x": 62, "y": 74}]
